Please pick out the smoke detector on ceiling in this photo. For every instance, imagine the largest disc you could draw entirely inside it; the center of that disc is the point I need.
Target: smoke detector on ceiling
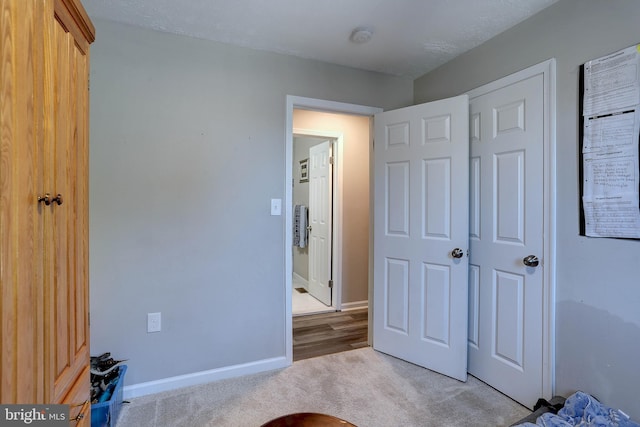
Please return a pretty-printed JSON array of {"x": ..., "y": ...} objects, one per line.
[{"x": 361, "y": 35}]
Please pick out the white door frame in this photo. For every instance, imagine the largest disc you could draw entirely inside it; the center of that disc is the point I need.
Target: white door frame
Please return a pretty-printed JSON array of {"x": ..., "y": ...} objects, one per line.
[
  {"x": 337, "y": 139},
  {"x": 297, "y": 102},
  {"x": 548, "y": 70}
]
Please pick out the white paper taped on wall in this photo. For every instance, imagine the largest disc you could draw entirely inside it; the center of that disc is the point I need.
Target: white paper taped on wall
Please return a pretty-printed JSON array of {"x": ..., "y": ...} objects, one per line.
[{"x": 610, "y": 145}]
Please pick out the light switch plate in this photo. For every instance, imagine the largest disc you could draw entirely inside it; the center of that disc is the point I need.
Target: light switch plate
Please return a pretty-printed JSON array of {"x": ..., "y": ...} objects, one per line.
[{"x": 276, "y": 206}]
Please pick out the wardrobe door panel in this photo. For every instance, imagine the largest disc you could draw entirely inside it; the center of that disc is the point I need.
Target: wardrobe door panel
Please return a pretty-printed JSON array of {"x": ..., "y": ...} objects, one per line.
[
  {"x": 21, "y": 127},
  {"x": 44, "y": 350},
  {"x": 70, "y": 301}
]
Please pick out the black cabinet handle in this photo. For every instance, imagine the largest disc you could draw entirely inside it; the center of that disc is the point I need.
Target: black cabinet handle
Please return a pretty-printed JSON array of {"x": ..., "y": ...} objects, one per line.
[{"x": 45, "y": 199}]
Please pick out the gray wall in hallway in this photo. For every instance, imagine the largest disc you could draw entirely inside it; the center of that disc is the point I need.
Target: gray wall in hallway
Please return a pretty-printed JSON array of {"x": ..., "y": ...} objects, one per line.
[{"x": 301, "y": 145}]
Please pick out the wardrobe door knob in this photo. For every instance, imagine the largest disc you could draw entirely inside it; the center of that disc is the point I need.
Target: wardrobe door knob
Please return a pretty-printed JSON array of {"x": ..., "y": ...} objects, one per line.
[
  {"x": 45, "y": 199},
  {"x": 57, "y": 199}
]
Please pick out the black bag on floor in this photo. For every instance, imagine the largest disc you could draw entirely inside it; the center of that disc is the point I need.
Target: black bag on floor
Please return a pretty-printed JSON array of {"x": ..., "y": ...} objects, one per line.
[{"x": 542, "y": 406}]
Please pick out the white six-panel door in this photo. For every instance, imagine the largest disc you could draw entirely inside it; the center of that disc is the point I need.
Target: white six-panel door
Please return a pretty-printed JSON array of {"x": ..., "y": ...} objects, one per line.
[
  {"x": 421, "y": 217},
  {"x": 320, "y": 207},
  {"x": 506, "y": 226}
]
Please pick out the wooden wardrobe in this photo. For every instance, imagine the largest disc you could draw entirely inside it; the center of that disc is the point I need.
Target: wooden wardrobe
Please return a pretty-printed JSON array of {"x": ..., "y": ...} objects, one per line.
[{"x": 44, "y": 242}]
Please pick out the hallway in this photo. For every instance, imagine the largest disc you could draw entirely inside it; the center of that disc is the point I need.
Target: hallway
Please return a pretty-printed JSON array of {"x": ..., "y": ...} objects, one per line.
[{"x": 303, "y": 303}]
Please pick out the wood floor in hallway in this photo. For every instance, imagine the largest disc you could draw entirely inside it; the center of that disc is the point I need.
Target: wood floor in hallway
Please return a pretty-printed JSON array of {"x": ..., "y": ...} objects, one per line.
[{"x": 327, "y": 333}]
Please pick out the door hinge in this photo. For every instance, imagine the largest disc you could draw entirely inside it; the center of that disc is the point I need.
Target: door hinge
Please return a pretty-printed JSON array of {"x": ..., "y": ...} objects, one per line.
[
  {"x": 330, "y": 284},
  {"x": 331, "y": 160}
]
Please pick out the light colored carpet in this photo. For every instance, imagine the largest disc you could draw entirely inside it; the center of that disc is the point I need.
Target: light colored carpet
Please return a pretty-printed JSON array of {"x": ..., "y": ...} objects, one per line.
[{"x": 362, "y": 386}]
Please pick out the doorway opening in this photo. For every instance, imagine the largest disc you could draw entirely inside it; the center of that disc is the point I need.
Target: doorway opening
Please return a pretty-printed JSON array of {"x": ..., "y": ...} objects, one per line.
[
  {"x": 350, "y": 252},
  {"x": 314, "y": 155}
]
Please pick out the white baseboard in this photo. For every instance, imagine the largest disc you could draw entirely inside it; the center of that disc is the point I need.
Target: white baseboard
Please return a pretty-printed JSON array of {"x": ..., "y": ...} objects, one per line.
[
  {"x": 172, "y": 383},
  {"x": 346, "y": 306},
  {"x": 299, "y": 279}
]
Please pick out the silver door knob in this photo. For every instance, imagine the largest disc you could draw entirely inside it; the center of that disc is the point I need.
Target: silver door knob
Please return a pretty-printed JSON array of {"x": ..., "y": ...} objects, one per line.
[
  {"x": 531, "y": 261},
  {"x": 457, "y": 253}
]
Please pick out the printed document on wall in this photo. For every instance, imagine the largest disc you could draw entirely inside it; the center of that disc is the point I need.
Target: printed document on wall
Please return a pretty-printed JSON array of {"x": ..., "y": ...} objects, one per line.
[
  {"x": 611, "y": 144},
  {"x": 612, "y": 83}
]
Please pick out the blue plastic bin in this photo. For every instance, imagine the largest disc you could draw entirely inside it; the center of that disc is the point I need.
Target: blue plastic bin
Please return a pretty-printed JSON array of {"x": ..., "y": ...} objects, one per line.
[{"x": 106, "y": 414}]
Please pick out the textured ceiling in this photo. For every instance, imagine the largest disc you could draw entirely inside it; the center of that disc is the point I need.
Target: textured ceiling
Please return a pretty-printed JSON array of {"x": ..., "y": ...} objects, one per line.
[{"x": 410, "y": 37}]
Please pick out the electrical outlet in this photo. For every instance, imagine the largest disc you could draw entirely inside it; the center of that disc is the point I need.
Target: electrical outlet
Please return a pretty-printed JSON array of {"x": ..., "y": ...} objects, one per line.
[{"x": 154, "y": 322}]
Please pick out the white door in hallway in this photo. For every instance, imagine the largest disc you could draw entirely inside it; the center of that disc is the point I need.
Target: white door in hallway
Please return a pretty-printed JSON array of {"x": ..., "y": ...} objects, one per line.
[
  {"x": 506, "y": 228},
  {"x": 320, "y": 210},
  {"x": 421, "y": 219}
]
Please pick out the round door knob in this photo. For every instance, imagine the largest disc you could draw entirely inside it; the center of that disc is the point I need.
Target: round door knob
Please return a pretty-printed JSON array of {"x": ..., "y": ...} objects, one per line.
[
  {"x": 531, "y": 261},
  {"x": 57, "y": 199},
  {"x": 457, "y": 253}
]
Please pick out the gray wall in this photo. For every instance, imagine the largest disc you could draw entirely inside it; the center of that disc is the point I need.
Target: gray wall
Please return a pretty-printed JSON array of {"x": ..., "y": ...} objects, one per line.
[
  {"x": 187, "y": 149},
  {"x": 301, "y": 146},
  {"x": 598, "y": 286}
]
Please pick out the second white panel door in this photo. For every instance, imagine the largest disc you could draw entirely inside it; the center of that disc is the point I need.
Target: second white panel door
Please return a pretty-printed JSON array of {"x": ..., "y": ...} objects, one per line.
[
  {"x": 320, "y": 209},
  {"x": 506, "y": 227}
]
